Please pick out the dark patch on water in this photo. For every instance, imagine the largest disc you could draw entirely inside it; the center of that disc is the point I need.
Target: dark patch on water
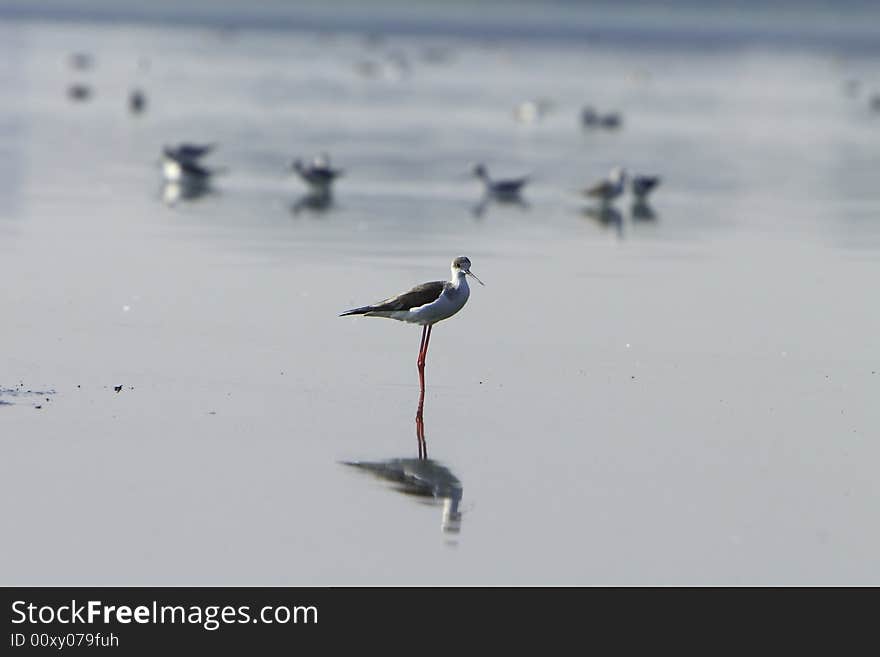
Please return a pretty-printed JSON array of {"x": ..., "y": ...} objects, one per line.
[{"x": 21, "y": 393}]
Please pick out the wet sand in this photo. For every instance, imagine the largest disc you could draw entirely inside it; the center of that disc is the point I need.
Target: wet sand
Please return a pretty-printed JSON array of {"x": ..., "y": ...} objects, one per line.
[{"x": 684, "y": 396}]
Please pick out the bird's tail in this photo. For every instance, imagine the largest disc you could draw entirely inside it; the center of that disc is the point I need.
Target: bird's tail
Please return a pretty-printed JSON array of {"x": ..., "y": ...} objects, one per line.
[{"x": 357, "y": 311}]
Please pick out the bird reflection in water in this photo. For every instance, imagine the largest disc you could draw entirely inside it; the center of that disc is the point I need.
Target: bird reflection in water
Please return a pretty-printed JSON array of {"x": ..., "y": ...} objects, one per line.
[
  {"x": 316, "y": 201},
  {"x": 642, "y": 211},
  {"x": 503, "y": 192},
  {"x": 641, "y": 187},
  {"x": 479, "y": 210},
  {"x": 185, "y": 190},
  {"x": 421, "y": 477},
  {"x": 606, "y": 216}
]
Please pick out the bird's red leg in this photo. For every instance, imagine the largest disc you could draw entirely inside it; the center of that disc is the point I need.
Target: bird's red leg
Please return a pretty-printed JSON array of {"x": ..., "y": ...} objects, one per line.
[
  {"x": 423, "y": 355},
  {"x": 420, "y": 422},
  {"x": 421, "y": 361},
  {"x": 421, "y": 365},
  {"x": 427, "y": 340},
  {"x": 420, "y": 426}
]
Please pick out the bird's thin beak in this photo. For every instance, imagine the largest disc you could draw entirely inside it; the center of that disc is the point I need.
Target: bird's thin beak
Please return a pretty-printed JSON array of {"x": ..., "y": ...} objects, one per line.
[{"x": 468, "y": 272}]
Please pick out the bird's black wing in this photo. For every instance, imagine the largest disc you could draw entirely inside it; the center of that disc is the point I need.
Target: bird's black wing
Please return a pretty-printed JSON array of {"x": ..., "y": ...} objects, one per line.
[
  {"x": 601, "y": 188},
  {"x": 644, "y": 184},
  {"x": 418, "y": 296},
  {"x": 194, "y": 151},
  {"x": 323, "y": 175},
  {"x": 510, "y": 186}
]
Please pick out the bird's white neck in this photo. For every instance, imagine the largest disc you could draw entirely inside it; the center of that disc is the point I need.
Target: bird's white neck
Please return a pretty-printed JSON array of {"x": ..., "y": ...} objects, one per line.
[
  {"x": 172, "y": 169},
  {"x": 459, "y": 279}
]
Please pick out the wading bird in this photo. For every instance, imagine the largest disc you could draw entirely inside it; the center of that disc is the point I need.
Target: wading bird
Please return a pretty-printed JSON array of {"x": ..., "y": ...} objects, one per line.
[
  {"x": 590, "y": 118},
  {"x": 503, "y": 189},
  {"x": 610, "y": 188},
  {"x": 425, "y": 304},
  {"x": 186, "y": 171},
  {"x": 182, "y": 163},
  {"x": 319, "y": 175}
]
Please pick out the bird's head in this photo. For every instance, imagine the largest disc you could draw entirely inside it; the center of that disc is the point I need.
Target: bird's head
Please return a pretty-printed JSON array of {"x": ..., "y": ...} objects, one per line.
[
  {"x": 479, "y": 170},
  {"x": 461, "y": 266}
]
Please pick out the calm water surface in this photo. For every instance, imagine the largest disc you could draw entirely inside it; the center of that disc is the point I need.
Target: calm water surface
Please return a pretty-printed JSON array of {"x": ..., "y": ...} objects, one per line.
[{"x": 685, "y": 395}]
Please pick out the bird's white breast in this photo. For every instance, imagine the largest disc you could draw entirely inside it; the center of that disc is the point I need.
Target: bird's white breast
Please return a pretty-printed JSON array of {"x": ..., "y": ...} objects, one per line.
[
  {"x": 171, "y": 169},
  {"x": 450, "y": 301}
]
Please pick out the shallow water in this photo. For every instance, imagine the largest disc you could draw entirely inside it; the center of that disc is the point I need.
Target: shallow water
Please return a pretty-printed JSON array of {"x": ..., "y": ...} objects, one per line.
[{"x": 684, "y": 395}]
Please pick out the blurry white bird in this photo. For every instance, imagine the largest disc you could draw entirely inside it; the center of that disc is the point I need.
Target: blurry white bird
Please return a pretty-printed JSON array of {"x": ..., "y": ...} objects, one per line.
[{"x": 531, "y": 111}]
